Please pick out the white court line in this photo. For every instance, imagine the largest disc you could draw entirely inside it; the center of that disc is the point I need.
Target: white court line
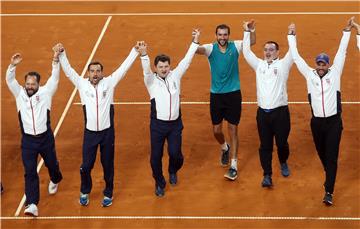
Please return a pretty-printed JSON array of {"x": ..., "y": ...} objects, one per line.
[
  {"x": 191, "y": 0},
  {"x": 207, "y": 103},
  {"x": 181, "y": 14},
  {"x": 22, "y": 202},
  {"x": 238, "y": 218}
]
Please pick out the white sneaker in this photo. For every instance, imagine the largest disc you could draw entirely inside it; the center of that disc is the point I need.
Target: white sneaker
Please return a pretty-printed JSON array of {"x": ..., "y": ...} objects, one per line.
[
  {"x": 53, "y": 188},
  {"x": 31, "y": 210}
]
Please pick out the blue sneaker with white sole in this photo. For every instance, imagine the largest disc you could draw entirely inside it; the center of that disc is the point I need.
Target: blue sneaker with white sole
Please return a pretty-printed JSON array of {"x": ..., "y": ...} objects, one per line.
[
  {"x": 107, "y": 201},
  {"x": 328, "y": 199},
  {"x": 84, "y": 199}
]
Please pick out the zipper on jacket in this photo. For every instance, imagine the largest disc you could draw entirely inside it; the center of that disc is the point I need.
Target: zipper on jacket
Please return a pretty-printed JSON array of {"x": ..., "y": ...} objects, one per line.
[
  {"x": 97, "y": 110},
  {"x": 168, "y": 89},
  {"x": 33, "y": 116},
  {"x": 322, "y": 97}
]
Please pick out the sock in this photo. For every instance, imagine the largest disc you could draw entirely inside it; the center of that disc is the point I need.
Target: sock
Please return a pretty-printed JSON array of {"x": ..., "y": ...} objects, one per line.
[
  {"x": 224, "y": 146},
  {"x": 234, "y": 163}
]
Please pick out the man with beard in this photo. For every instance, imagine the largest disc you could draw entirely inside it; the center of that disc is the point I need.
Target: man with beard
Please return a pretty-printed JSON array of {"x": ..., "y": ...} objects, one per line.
[
  {"x": 273, "y": 116},
  {"x": 225, "y": 94},
  {"x": 33, "y": 104},
  {"x": 323, "y": 85},
  {"x": 97, "y": 97}
]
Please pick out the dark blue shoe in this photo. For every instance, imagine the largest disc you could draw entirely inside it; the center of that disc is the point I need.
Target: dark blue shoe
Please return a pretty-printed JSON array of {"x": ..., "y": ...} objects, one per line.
[
  {"x": 107, "y": 201},
  {"x": 285, "y": 169},
  {"x": 267, "y": 181},
  {"x": 231, "y": 174},
  {"x": 173, "y": 179},
  {"x": 84, "y": 199},
  {"x": 225, "y": 157},
  {"x": 328, "y": 199},
  {"x": 159, "y": 191}
]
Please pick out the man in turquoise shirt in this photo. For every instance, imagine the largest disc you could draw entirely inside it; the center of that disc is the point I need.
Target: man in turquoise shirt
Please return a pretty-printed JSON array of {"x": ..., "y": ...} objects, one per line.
[{"x": 225, "y": 94}]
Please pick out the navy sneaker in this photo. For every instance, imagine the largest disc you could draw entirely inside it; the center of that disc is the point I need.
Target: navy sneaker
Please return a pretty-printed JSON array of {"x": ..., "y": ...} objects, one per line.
[
  {"x": 267, "y": 181},
  {"x": 84, "y": 199},
  {"x": 328, "y": 199},
  {"x": 225, "y": 156},
  {"x": 107, "y": 201},
  {"x": 285, "y": 169},
  {"x": 173, "y": 179},
  {"x": 231, "y": 174},
  {"x": 159, "y": 191}
]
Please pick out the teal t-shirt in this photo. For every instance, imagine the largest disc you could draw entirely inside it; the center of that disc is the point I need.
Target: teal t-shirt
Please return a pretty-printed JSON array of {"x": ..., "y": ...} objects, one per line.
[{"x": 224, "y": 69}]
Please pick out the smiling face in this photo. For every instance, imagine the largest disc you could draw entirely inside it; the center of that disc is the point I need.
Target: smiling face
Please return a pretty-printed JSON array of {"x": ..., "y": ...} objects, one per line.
[
  {"x": 95, "y": 73},
  {"x": 322, "y": 68},
  {"x": 31, "y": 85},
  {"x": 271, "y": 51},
  {"x": 222, "y": 37},
  {"x": 162, "y": 68}
]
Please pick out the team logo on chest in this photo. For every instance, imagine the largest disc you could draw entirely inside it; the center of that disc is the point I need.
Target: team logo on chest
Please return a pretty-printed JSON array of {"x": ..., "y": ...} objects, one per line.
[
  {"x": 104, "y": 93},
  {"x": 37, "y": 98},
  {"x": 328, "y": 81},
  {"x": 174, "y": 85},
  {"x": 275, "y": 71}
]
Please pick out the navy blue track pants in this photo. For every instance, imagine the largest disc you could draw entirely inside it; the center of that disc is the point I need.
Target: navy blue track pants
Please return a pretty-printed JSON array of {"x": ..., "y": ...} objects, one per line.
[
  {"x": 159, "y": 132},
  {"x": 92, "y": 139},
  {"x": 31, "y": 147}
]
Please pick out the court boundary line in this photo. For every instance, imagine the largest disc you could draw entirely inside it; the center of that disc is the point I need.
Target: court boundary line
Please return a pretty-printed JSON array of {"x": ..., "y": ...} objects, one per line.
[
  {"x": 181, "y": 14},
  {"x": 207, "y": 103},
  {"x": 68, "y": 105},
  {"x": 255, "y": 218},
  {"x": 311, "y": 1}
]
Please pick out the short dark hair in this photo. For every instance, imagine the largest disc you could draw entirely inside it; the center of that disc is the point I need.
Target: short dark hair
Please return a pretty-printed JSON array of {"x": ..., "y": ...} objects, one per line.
[
  {"x": 273, "y": 42},
  {"x": 222, "y": 26},
  {"x": 37, "y": 76},
  {"x": 95, "y": 63},
  {"x": 162, "y": 58}
]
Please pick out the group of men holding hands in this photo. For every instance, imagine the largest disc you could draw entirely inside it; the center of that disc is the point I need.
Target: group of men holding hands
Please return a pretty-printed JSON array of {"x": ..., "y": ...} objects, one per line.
[{"x": 163, "y": 85}]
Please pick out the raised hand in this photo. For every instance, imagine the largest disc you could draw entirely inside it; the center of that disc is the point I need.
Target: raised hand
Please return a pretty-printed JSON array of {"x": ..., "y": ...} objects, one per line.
[
  {"x": 249, "y": 25},
  {"x": 141, "y": 47},
  {"x": 58, "y": 48},
  {"x": 196, "y": 35},
  {"x": 356, "y": 25},
  {"x": 16, "y": 59},
  {"x": 349, "y": 23},
  {"x": 292, "y": 29}
]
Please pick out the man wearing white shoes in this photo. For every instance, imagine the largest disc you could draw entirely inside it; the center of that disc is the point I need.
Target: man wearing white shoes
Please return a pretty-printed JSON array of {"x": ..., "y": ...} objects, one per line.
[{"x": 33, "y": 105}]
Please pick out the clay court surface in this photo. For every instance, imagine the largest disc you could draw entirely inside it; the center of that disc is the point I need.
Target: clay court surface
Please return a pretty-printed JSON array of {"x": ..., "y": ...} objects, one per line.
[{"x": 202, "y": 198}]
